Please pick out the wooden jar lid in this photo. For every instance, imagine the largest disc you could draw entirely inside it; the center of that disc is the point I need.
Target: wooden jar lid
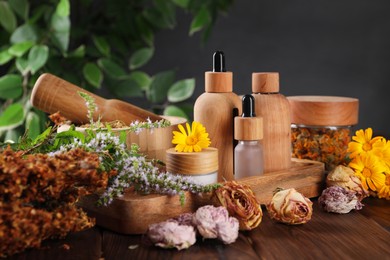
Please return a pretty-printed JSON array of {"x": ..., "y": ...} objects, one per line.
[
  {"x": 324, "y": 110},
  {"x": 248, "y": 128},
  {"x": 196, "y": 163},
  {"x": 265, "y": 82},
  {"x": 218, "y": 82}
]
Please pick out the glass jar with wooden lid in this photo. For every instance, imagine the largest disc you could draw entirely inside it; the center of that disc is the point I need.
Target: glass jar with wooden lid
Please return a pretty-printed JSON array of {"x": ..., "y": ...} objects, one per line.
[{"x": 321, "y": 127}]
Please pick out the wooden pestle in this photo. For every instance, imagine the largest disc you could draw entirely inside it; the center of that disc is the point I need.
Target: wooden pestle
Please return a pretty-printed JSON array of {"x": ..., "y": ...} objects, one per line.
[{"x": 52, "y": 94}]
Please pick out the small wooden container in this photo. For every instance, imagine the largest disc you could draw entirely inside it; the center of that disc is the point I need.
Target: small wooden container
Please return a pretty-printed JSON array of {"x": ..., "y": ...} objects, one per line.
[
  {"x": 321, "y": 127},
  {"x": 201, "y": 166}
]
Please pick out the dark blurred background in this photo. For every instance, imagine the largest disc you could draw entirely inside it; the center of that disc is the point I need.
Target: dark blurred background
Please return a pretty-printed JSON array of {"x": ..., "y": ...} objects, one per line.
[{"x": 337, "y": 48}]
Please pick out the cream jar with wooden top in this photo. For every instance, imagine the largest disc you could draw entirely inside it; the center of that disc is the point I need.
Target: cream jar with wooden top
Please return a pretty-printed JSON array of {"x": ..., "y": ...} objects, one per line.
[
  {"x": 321, "y": 127},
  {"x": 201, "y": 166}
]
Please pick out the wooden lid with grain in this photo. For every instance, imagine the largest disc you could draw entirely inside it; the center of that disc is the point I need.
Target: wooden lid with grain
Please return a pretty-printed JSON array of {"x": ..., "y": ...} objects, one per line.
[
  {"x": 195, "y": 163},
  {"x": 218, "y": 82},
  {"x": 265, "y": 82},
  {"x": 248, "y": 128},
  {"x": 324, "y": 110}
]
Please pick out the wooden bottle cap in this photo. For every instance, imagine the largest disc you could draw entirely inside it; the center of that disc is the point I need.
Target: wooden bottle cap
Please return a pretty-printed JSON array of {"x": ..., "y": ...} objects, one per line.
[
  {"x": 218, "y": 82},
  {"x": 265, "y": 82},
  {"x": 196, "y": 163},
  {"x": 248, "y": 128},
  {"x": 324, "y": 110}
]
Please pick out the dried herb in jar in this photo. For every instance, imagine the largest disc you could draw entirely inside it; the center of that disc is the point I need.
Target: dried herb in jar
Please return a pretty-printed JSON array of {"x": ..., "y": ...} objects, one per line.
[
  {"x": 321, "y": 126},
  {"x": 325, "y": 144}
]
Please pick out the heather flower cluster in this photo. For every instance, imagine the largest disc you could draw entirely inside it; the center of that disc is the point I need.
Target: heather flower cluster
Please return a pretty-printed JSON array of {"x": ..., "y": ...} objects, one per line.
[
  {"x": 137, "y": 126},
  {"x": 90, "y": 104},
  {"x": 371, "y": 162},
  {"x": 133, "y": 169},
  {"x": 136, "y": 171},
  {"x": 101, "y": 143}
]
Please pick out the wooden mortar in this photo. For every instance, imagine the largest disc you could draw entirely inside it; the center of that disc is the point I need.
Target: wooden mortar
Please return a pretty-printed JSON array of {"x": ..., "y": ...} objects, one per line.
[{"x": 52, "y": 94}]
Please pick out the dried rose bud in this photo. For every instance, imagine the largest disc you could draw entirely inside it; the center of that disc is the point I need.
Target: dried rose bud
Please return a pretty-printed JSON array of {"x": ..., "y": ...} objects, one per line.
[
  {"x": 241, "y": 203},
  {"x": 339, "y": 200},
  {"x": 170, "y": 234},
  {"x": 184, "y": 219},
  {"x": 214, "y": 222},
  {"x": 290, "y": 207},
  {"x": 345, "y": 177}
]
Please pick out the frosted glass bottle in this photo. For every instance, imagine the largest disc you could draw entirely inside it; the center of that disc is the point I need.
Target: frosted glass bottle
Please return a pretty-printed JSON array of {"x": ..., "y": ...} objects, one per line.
[
  {"x": 248, "y": 130},
  {"x": 248, "y": 159}
]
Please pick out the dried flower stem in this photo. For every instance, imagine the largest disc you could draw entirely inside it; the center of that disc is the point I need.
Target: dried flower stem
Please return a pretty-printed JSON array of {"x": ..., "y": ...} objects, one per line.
[{"x": 91, "y": 106}]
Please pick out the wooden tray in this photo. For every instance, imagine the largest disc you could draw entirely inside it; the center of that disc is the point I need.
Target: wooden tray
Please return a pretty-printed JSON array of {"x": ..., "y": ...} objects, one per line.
[{"x": 133, "y": 213}]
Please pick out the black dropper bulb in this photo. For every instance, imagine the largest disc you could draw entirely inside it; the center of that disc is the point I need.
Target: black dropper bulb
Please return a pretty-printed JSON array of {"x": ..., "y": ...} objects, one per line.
[
  {"x": 219, "y": 62},
  {"x": 248, "y": 106}
]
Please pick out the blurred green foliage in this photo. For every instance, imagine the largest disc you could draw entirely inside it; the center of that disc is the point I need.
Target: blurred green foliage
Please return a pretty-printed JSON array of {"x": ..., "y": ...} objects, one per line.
[{"x": 93, "y": 44}]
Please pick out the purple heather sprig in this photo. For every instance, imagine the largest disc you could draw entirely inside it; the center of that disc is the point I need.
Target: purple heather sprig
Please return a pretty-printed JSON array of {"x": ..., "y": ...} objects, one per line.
[
  {"x": 100, "y": 143},
  {"x": 144, "y": 176},
  {"x": 90, "y": 104},
  {"x": 133, "y": 169},
  {"x": 137, "y": 126}
]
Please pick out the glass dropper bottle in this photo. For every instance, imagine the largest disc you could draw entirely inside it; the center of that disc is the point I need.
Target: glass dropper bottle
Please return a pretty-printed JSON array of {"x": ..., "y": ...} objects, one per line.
[{"x": 248, "y": 130}]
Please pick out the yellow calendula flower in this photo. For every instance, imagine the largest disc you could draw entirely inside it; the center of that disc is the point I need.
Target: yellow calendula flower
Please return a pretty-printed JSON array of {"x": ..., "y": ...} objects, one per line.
[
  {"x": 386, "y": 153},
  {"x": 384, "y": 192},
  {"x": 193, "y": 140},
  {"x": 363, "y": 143},
  {"x": 370, "y": 171}
]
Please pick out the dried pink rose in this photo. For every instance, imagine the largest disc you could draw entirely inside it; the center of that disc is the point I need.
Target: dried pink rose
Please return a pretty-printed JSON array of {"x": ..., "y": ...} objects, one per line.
[
  {"x": 290, "y": 207},
  {"x": 339, "y": 200},
  {"x": 241, "y": 203},
  {"x": 345, "y": 177},
  {"x": 214, "y": 222},
  {"x": 184, "y": 219},
  {"x": 170, "y": 234}
]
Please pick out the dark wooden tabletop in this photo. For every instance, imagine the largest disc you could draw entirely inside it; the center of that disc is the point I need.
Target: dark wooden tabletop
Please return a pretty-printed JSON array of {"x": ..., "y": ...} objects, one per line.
[{"x": 361, "y": 234}]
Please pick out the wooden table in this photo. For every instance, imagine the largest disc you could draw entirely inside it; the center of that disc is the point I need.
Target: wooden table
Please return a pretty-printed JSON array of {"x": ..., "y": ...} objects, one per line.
[{"x": 358, "y": 235}]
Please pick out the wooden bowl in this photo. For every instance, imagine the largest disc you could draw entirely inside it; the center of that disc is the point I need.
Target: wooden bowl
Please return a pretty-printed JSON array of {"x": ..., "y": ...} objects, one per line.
[{"x": 152, "y": 142}]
